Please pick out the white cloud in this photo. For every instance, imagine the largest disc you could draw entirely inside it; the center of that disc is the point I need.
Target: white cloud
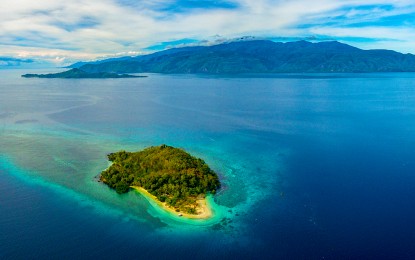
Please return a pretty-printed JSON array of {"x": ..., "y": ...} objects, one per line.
[{"x": 66, "y": 30}]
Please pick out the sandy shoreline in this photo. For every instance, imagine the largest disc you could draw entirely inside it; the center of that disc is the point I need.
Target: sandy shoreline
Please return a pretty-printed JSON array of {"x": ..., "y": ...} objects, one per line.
[{"x": 203, "y": 209}]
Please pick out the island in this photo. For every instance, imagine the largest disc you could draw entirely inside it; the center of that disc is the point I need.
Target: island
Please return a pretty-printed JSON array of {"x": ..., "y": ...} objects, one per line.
[
  {"x": 174, "y": 179},
  {"x": 77, "y": 73}
]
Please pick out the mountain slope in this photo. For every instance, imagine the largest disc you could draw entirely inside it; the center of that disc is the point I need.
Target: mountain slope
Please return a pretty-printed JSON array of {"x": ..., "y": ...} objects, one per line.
[{"x": 261, "y": 56}]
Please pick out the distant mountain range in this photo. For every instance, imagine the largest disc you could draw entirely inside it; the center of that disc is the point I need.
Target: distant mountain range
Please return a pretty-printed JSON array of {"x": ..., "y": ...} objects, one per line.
[
  {"x": 23, "y": 63},
  {"x": 8, "y": 62},
  {"x": 259, "y": 56}
]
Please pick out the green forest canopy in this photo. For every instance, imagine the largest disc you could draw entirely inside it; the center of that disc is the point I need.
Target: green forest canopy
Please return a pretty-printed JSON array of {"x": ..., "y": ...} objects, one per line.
[{"x": 170, "y": 174}]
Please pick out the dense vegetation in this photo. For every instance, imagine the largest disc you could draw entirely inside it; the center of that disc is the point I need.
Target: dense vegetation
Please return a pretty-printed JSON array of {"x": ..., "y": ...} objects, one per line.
[
  {"x": 169, "y": 173},
  {"x": 80, "y": 74},
  {"x": 260, "y": 56}
]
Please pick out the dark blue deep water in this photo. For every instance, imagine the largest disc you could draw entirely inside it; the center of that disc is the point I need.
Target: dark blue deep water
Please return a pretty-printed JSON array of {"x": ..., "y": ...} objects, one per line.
[{"x": 316, "y": 167}]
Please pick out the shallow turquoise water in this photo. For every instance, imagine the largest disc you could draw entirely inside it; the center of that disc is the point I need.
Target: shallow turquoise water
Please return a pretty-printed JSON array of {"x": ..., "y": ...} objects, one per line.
[{"x": 298, "y": 157}]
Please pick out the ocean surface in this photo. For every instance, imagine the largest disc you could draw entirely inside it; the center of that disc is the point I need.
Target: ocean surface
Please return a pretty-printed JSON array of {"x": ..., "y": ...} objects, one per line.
[{"x": 313, "y": 166}]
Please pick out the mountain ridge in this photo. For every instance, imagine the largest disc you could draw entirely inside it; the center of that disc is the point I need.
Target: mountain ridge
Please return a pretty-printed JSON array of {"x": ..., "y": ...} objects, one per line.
[{"x": 260, "y": 56}]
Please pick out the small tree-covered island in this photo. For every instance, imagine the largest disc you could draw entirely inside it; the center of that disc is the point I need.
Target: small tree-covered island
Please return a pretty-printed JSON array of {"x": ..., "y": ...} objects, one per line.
[{"x": 176, "y": 180}]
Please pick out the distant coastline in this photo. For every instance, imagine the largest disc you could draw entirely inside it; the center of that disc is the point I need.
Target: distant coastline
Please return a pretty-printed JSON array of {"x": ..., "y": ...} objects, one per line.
[{"x": 80, "y": 74}]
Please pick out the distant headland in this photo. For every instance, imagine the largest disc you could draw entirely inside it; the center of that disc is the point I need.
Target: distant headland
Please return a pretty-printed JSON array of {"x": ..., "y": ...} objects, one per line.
[
  {"x": 175, "y": 180},
  {"x": 77, "y": 73}
]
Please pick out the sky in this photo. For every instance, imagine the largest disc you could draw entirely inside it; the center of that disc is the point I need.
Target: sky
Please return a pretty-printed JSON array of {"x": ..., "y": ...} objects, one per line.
[{"x": 62, "y": 31}]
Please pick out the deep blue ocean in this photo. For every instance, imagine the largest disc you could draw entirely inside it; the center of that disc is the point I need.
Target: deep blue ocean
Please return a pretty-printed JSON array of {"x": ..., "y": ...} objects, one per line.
[{"x": 317, "y": 166}]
